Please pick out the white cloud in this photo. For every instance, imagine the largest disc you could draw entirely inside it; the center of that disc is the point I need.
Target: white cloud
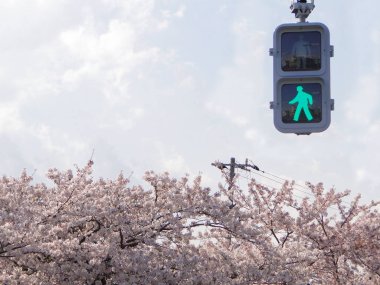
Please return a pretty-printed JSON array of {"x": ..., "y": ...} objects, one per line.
[
  {"x": 88, "y": 44},
  {"x": 123, "y": 121},
  {"x": 57, "y": 142},
  {"x": 255, "y": 136},
  {"x": 179, "y": 13},
  {"x": 175, "y": 164},
  {"x": 10, "y": 121},
  {"x": 110, "y": 57},
  {"x": 361, "y": 174},
  {"x": 375, "y": 36},
  {"x": 363, "y": 105},
  {"x": 236, "y": 119}
]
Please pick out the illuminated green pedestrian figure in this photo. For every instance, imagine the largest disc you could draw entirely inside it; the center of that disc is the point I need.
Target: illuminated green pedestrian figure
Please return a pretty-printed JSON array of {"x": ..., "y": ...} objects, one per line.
[{"x": 303, "y": 99}]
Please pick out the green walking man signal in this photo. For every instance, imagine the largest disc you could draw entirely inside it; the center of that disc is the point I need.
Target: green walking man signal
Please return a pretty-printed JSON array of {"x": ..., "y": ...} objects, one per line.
[{"x": 304, "y": 99}]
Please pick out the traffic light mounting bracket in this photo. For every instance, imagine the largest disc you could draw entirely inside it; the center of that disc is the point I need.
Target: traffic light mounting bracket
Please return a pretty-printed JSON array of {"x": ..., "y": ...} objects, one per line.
[{"x": 302, "y": 9}]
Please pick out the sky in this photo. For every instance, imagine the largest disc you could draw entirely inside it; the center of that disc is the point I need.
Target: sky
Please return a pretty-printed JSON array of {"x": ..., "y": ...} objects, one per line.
[{"x": 173, "y": 86}]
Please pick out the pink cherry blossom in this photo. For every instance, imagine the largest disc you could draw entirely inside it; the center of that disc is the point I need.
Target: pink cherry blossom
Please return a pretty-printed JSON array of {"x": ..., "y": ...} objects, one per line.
[{"x": 175, "y": 231}]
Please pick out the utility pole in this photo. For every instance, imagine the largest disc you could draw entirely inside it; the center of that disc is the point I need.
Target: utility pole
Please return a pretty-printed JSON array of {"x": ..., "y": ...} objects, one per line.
[{"x": 232, "y": 166}]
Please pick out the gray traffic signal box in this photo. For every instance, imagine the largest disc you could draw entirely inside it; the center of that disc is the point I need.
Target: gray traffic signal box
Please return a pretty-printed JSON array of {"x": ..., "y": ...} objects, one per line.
[{"x": 301, "y": 78}]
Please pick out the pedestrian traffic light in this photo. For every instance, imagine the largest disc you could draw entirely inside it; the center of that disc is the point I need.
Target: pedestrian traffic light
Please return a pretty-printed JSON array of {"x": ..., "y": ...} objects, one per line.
[{"x": 301, "y": 78}]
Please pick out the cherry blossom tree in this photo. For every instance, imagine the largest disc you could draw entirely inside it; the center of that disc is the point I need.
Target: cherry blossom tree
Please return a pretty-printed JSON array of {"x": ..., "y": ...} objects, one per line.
[{"x": 175, "y": 231}]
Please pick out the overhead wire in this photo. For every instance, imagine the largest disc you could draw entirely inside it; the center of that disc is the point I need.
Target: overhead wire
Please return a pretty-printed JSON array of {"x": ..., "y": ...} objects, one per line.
[
  {"x": 284, "y": 180},
  {"x": 265, "y": 174},
  {"x": 295, "y": 195},
  {"x": 295, "y": 184},
  {"x": 276, "y": 179},
  {"x": 268, "y": 186}
]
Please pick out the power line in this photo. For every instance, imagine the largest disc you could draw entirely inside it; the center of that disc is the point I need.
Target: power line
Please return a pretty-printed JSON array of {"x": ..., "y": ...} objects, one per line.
[
  {"x": 248, "y": 166},
  {"x": 295, "y": 195},
  {"x": 269, "y": 186}
]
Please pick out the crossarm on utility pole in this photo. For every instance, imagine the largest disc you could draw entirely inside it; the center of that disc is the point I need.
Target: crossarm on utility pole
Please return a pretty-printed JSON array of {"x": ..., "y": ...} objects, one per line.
[{"x": 232, "y": 166}]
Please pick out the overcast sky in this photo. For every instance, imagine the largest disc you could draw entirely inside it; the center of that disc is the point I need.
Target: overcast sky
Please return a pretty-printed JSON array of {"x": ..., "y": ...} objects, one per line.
[{"x": 175, "y": 85}]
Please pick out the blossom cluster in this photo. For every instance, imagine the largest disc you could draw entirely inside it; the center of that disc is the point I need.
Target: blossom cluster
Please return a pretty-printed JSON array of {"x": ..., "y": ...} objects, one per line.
[{"x": 174, "y": 231}]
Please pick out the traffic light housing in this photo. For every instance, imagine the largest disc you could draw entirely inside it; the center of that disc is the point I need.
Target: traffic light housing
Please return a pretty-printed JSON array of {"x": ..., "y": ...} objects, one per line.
[{"x": 301, "y": 78}]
